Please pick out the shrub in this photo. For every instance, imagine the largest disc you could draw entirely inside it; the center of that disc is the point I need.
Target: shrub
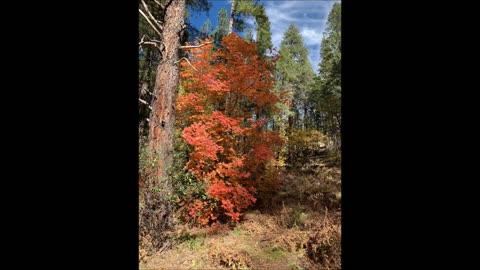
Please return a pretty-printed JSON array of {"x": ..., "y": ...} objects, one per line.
[
  {"x": 303, "y": 145},
  {"x": 223, "y": 95}
]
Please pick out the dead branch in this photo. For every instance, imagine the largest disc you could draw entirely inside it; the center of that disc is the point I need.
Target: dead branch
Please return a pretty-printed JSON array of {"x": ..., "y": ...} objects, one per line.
[
  {"x": 152, "y": 43},
  {"x": 151, "y": 15},
  {"x": 149, "y": 22},
  {"x": 195, "y": 46},
  {"x": 158, "y": 3},
  {"x": 143, "y": 88},
  {"x": 183, "y": 58},
  {"x": 149, "y": 43},
  {"x": 144, "y": 102},
  {"x": 149, "y": 92}
]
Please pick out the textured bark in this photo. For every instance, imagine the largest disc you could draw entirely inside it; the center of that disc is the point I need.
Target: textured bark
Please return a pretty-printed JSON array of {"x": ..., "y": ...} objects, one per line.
[
  {"x": 163, "y": 113},
  {"x": 230, "y": 24},
  {"x": 158, "y": 218}
]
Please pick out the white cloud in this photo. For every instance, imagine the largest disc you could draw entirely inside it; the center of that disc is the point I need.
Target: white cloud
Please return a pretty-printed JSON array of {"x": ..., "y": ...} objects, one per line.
[
  {"x": 310, "y": 36},
  {"x": 308, "y": 16}
]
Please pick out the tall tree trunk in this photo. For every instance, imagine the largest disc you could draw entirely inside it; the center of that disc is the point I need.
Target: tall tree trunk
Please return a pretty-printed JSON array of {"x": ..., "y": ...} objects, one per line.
[
  {"x": 230, "y": 24},
  {"x": 290, "y": 123},
  {"x": 297, "y": 123},
  {"x": 305, "y": 118},
  {"x": 162, "y": 129}
]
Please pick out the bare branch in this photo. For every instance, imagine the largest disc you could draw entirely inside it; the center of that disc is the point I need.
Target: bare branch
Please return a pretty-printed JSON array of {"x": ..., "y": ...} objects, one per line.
[
  {"x": 146, "y": 36},
  {"x": 142, "y": 41},
  {"x": 146, "y": 103},
  {"x": 144, "y": 89},
  {"x": 158, "y": 3},
  {"x": 149, "y": 92},
  {"x": 161, "y": 42},
  {"x": 152, "y": 43},
  {"x": 183, "y": 58},
  {"x": 149, "y": 22},
  {"x": 151, "y": 16},
  {"x": 195, "y": 46}
]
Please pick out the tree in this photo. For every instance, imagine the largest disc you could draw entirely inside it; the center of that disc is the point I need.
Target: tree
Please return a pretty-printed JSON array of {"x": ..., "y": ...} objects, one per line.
[
  {"x": 206, "y": 29},
  {"x": 241, "y": 8},
  {"x": 249, "y": 35},
  {"x": 262, "y": 26},
  {"x": 294, "y": 75},
  {"x": 162, "y": 117},
  {"x": 222, "y": 27},
  {"x": 230, "y": 150},
  {"x": 149, "y": 57},
  {"x": 169, "y": 29},
  {"x": 232, "y": 10},
  {"x": 238, "y": 8},
  {"x": 326, "y": 94}
]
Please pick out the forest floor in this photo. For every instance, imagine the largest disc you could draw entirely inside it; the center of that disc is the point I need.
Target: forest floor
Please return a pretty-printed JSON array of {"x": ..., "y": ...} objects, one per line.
[
  {"x": 286, "y": 236},
  {"x": 262, "y": 241}
]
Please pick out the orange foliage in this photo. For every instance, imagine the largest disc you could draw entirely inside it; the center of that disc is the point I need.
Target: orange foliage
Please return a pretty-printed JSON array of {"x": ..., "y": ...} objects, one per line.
[{"x": 222, "y": 113}]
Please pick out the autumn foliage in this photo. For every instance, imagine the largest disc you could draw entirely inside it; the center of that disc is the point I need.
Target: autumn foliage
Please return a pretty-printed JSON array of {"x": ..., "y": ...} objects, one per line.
[{"x": 223, "y": 107}]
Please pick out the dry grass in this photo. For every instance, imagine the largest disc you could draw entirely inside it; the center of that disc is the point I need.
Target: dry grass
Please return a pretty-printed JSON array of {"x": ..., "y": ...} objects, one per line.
[
  {"x": 261, "y": 241},
  {"x": 295, "y": 232},
  {"x": 324, "y": 245},
  {"x": 314, "y": 190}
]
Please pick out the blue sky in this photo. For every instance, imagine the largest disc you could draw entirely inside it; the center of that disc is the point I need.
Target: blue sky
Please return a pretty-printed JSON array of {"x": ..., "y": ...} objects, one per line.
[{"x": 308, "y": 15}]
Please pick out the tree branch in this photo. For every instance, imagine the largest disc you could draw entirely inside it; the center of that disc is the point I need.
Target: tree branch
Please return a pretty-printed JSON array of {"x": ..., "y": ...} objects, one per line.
[
  {"x": 149, "y": 92},
  {"x": 146, "y": 103},
  {"x": 149, "y": 22},
  {"x": 144, "y": 89},
  {"x": 148, "y": 43},
  {"x": 152, "y": 43},
  {"x": 158, "y": 3},
  {"x": 151, "y": 15},
  {"x": 183, "y": 58},
  {"x": 195, "y": 46}
]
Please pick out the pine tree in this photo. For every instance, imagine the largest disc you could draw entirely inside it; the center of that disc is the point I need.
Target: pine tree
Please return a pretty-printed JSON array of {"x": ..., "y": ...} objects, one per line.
[
  {"x": 222, "y": 27},
  {"x": 167, "y": 22},
  {"x": 239, "y": 10},
  {"x": 326, "y": 94},
  {"x": 249, "y": 35},
  {"x": 294, "y": 74},
  {"x": 262, "y": 26},
  {"x": 206, "y": 29},
  {"x": 148, "y": 61}
]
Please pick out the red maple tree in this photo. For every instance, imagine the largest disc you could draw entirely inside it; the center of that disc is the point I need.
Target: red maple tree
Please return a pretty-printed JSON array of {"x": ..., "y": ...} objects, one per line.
[{"x": 223, "y": 108}]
